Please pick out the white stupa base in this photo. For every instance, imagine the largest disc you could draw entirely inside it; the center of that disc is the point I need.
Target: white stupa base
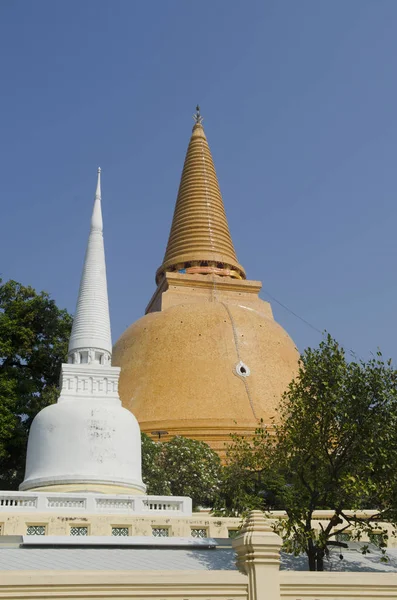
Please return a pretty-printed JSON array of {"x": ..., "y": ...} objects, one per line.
[
  {"x": 74, "y": 484},
  {"x": 93, "y": 503},
  {"x": 93, "y": 441}
]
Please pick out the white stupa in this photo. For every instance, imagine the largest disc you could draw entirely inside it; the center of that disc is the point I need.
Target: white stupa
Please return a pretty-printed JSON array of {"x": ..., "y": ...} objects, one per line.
[{"x": 87, "y": 442}]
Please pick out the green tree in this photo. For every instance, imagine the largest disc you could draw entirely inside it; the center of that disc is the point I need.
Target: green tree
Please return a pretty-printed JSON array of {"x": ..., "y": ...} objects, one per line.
[
  {"x": 334, "y": 448},
  {"x": 153, "y": 473},
  {"x": 181, "y": 467},
  {"x": 34, "y": 335}
]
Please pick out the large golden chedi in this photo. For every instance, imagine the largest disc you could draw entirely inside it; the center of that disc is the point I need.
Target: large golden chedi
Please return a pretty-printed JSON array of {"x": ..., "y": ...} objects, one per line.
[{"x": 208, "y": 358}]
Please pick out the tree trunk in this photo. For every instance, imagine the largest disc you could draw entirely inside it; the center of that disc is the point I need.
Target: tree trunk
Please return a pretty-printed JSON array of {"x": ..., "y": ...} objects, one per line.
[
  {"x": 311, "y": 555},
  {"x": 320, "y": 559},
  {"x": 315, "y": 558}
]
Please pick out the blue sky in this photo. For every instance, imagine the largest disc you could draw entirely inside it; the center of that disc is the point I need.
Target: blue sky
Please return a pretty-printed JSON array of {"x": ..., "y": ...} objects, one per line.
[{"x": 299, "y": 99}]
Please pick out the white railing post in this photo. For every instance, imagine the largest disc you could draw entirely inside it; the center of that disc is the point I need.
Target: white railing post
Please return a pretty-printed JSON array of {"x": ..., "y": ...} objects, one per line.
[
  {"x": 258, "y": 556},
  {"x": 90, "y": 503},
  {"x": 138, "y": 505},
  {"x": 42, "y": 503}
]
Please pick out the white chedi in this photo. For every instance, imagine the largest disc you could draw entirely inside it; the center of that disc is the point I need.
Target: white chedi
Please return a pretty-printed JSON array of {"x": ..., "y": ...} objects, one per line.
[
  {"x": 83, "y": 445},
  {"x": 87, "y": 441}
]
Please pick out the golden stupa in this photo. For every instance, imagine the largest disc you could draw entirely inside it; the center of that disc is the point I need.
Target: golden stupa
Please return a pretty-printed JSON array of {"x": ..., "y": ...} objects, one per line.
[{"x": 208, "y": 358}]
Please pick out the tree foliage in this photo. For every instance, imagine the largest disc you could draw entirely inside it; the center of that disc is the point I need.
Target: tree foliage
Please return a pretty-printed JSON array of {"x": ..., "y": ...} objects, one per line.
[
  {"x": 334, "y": 447},
  {"x": 153, "y": 474},
  {"x": 34, "y": 334},
  {"x": 181, "y": 467}
]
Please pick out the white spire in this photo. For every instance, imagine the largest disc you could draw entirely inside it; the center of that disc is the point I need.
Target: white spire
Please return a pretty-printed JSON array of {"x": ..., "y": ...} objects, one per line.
[
  {"x": 90, "y": 340},
  {"x": 96, "y": 219}
]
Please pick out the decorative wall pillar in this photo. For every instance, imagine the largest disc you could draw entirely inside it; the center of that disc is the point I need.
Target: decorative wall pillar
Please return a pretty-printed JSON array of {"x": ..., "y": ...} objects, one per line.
[{"x": 258, "y": 556}]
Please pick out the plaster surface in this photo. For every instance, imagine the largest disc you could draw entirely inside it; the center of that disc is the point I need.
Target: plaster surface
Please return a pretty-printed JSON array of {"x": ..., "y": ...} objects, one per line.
[
  {"x": 76, "y": 443},
  {"x": 91, "y": 323},
  {"x": 179, "y": 362}
]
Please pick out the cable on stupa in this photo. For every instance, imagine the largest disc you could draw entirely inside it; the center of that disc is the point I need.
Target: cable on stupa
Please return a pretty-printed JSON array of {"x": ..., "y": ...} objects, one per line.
[
  {"x": 198, "y": 119},
  {"x": 236, "y": 343}
]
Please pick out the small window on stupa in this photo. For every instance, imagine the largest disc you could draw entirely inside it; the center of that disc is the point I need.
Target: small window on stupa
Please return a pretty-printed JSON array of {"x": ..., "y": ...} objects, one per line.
[{"x": 242, "y": 369}]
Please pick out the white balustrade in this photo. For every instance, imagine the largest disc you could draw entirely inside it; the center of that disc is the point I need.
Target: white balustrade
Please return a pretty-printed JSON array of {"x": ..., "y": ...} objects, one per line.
[
  {"x": 12, "y": 501},
  {"x": 63, "y": 502},
  {"x": 115, "y": 504},
  {"x": 95, "y": 503},
  {"x": 154, "y": 504}
]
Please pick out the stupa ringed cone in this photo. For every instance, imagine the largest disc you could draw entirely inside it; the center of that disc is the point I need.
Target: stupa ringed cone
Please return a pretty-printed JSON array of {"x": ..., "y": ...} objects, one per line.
[{"x": 200, "y": 235}]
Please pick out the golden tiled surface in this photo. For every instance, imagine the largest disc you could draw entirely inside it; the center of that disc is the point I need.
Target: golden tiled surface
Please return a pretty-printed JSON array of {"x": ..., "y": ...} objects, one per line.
[
  {"x": 178, "y": 363},
  {"x": 199, "y": 231}
]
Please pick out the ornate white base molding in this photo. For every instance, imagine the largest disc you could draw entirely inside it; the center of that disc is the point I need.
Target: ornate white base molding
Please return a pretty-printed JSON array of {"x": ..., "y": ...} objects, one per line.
[{"x": 89, "y": 381}]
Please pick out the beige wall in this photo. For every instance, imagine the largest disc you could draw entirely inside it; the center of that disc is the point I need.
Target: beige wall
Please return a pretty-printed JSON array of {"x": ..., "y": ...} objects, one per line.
[
  {"x": 172, "y": 585},
  {"x": 59, "y": 524},
  {"x": 338, "y": 586},
  {"x": 16, "y": 523},
  {"x": 150, "y": 585}
]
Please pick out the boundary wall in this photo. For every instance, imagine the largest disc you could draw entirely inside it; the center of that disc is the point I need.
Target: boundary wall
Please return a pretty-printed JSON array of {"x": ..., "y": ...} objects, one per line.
[{"x": 259, "y": 578}]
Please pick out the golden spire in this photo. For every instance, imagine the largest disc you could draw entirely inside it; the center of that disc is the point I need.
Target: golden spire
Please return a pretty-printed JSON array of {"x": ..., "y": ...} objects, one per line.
[{"x": 200, "y": 240}]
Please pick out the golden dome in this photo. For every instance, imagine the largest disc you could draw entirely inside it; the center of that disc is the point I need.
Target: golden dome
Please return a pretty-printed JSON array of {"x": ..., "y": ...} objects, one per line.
[
  {"x": 181, "y": 369},
  {"x": 200, "y": 237}
]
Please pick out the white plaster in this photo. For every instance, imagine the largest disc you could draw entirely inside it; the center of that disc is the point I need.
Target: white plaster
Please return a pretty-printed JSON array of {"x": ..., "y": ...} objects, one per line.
[
  {"x": 79, "y": 381},
  {"x": 84, "y": 441},
  {"x": 87, "y": 437},
  {"x": 91, "y": 324}
]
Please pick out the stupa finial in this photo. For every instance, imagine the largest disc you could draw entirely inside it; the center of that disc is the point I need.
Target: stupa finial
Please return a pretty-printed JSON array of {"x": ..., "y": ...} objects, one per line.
[
  {"x": 98, "y": 186},
  {"x": 198, "y": 119},
  {"x": 96, "y": 219}
]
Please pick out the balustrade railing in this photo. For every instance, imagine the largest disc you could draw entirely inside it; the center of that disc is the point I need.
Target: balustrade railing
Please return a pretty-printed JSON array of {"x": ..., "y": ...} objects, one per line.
[
  {"x": 8, "y": 501},
  {"x": 94, "y": 503}
]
